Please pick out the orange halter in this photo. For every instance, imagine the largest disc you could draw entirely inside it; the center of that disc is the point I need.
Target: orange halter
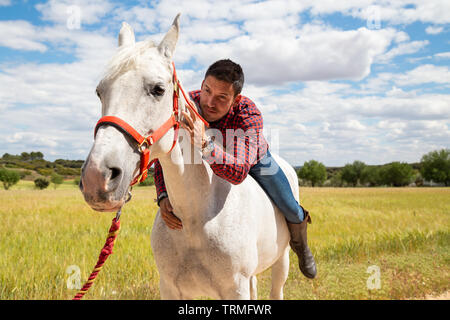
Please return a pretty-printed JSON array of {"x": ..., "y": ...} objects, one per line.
[{"x": 173, "y": 121}]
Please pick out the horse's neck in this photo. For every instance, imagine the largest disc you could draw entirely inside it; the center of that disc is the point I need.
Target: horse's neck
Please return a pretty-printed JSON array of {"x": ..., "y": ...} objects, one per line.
[
  {"x": 186, "y": 177},
  {"x": 188, "y": 186}
]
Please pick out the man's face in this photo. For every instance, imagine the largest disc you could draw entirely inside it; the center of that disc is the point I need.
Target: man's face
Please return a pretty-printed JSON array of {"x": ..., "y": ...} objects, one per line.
[{"x": 216, "y": 98}]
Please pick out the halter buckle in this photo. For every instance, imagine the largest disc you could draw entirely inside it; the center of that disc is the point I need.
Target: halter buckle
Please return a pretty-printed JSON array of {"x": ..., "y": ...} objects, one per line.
[
  {"x": 148, "y": 141},
  {"x": 176, "y": 88}
]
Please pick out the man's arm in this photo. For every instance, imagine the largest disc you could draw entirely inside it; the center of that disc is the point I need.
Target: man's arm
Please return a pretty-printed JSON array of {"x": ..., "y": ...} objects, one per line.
[
  {"x": 235, "y": 166},
  {"x": 166, "y": 209}
]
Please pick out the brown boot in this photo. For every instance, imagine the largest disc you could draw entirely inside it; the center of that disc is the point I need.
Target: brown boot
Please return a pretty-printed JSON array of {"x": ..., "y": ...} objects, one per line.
[{"x": 299, "y": 244}]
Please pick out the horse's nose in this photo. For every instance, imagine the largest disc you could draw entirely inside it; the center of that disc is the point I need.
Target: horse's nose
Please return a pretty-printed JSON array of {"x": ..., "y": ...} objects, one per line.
[{"x": 113, "y": 180}]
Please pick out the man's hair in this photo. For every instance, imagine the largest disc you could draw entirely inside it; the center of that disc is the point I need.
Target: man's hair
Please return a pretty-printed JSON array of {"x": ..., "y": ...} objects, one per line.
[{"x": 228, "y": 71}]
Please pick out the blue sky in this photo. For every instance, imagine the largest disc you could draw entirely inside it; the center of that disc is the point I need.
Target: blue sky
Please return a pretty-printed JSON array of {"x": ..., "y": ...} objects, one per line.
[{"x": 336, "y": 81}]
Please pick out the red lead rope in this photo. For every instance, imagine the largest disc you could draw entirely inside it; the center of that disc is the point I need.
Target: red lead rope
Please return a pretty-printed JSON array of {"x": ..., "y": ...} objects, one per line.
[{"x": 104, "y": 254}]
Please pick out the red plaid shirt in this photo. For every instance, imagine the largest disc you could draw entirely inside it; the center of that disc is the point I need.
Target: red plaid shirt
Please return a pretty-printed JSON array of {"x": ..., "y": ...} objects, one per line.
[{"x": 246, "y": 145}]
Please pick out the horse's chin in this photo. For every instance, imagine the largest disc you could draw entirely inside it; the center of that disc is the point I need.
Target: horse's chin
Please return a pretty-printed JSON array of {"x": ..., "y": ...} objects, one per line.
[
  {"x": 108, "y": 207},
  {"x": 105, "y": 203}
]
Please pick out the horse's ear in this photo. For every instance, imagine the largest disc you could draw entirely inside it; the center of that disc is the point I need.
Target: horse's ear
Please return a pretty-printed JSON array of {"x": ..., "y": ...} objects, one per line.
[
  {"x": 167, "y": 45},
  {"x": 126, "y": 35}
]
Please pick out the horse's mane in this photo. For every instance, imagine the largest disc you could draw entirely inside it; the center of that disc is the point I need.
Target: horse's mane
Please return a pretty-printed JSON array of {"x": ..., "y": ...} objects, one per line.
[{"x": 126, "y": 58}]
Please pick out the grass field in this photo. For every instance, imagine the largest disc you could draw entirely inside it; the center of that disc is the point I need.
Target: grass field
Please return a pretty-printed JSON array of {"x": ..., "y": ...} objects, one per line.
[{"x": 404, "y": 232}]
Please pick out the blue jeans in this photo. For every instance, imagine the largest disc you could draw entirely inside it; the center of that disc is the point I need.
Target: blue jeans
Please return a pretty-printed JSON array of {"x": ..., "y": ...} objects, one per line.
[{"x": 274, "y": 182}]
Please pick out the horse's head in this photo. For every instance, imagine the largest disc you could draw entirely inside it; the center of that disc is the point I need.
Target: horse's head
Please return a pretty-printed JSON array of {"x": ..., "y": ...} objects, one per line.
[{"x": 138, "y": 89}]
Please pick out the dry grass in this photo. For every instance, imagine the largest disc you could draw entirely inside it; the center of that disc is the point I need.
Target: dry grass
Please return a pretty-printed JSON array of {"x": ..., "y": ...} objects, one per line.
[{"x": 403, "y": 231}]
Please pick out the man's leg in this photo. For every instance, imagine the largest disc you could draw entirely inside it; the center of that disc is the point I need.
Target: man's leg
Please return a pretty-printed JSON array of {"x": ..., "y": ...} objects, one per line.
[{"x": 274, "y": 182}]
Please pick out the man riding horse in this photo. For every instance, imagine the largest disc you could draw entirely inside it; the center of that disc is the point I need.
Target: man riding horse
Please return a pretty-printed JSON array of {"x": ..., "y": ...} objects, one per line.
[{"x": 220, "y": 103}]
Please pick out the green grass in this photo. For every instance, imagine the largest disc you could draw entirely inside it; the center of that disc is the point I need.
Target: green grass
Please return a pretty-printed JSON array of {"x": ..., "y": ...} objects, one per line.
[
  {"x": 29, "y": 185},
  {"x": 403, "y": 231}
]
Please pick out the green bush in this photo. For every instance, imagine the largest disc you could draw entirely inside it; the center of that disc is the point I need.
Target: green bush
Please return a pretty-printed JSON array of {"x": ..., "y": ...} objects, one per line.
[
  {"x": 45, "y": 171},
  {"x": 9, "y": 177},
  {"x": 41, "y": 183},
  {"x": 56, "y": 179},
  {"x": 336, "y": 180},
  {"x": 436, "y": 166},
  {"x": 397, "y": 174},
  {"x": 372, "y": 175},
  {"x": 354, "y": 173},
  {"x": 313, "y": 171},
  {"x": 67, "y": 171},
  {"x": 148, "y": 182}
]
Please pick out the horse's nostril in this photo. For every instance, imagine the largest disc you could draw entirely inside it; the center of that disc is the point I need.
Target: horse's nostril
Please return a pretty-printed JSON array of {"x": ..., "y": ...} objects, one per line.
[
  {"x": 80, "y": 185},
  {"x": 115, "y": 172},
  {"x": 114, "y": 179}
]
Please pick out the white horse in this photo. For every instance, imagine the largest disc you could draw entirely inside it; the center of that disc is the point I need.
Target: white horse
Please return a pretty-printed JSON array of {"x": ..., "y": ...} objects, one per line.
[{"x": 230, "y": 233}]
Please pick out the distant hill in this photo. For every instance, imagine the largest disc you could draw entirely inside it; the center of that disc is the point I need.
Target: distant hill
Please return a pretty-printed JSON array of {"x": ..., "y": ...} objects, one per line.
[
  {"x": 332, "y": 170},
  {"x": 33, "y": 164}
]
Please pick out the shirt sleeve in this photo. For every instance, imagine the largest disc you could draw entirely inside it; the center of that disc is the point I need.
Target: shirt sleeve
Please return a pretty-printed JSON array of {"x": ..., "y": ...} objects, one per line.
[
  {"x": 234, "y": 163},
  {"x": 159, "y": 179}
]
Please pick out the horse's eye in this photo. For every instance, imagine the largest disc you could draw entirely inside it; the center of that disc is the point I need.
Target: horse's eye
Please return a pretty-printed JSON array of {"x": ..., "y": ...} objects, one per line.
[{"x": 157, "y": 91}]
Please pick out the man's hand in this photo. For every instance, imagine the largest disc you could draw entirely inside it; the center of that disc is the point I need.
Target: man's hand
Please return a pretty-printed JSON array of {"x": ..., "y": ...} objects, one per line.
[
  {"x": 196, "y": 129},
  {"x": 167, "y": 214}
]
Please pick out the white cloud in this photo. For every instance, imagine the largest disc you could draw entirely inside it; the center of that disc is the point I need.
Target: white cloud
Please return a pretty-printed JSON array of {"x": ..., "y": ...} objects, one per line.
[
  {"x": 68, "y": 11},
  {"x": 400, "y": 126},
  {"x": 377, "y": 120},
  {"x": 423, "y": 74},
  {"x": 142, "y": 19},
  {"x": 402, "y": 49},
  {"x": 53, "y": 106},
  {"x": 393, "y": 12},
  {"x": 427, "y": 73},
  {"x": 418, "y": 107},
  {"x": 267, "y": 10},
  {"x": 443, "y": 55},
  {"x": 434, "y": 30},
  {"x": 269, "y": 36},
  {"x": 5, "y": 3},
  {"x": 20, "y": 35},
  {"x": 32, "y": 138},
  {"x": 210, "y": 31},
  {"x": 410, "y": 131},
  {"x": 311, "y": 53},
  {"x": 400, "y": 93},
  {"x": 190, "y": 79}
]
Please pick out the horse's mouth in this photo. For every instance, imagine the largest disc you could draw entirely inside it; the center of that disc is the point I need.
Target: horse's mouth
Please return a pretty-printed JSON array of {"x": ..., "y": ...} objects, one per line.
[
  {"x": 104, "y": 204},
  {"x": 112, "y": 208}
]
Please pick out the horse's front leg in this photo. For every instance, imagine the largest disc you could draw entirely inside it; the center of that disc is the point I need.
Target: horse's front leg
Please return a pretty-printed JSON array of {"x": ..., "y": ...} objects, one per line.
[
  {"x": 240, "y": 289},
  {"x": 168, "y": 291}
]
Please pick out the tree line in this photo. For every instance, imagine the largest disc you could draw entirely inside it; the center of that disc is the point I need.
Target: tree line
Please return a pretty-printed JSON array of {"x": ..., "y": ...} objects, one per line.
[
  {"x": 434, "y": 166},
  {"x": 33, "y": 166}
]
